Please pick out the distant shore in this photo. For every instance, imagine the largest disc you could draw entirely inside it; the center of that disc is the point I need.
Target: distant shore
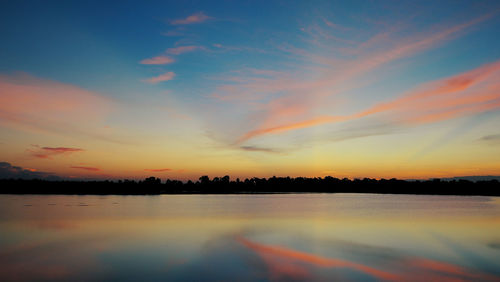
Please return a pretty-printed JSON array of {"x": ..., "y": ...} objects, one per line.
[{"x": 223, "y": 185}]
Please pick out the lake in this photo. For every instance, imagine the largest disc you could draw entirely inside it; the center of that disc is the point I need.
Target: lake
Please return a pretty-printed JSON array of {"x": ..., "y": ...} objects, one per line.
[{"x": 264, "y": 237}]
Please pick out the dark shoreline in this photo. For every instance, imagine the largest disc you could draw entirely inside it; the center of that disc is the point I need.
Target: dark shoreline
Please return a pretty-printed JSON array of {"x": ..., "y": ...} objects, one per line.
[{"x": 273, "y": 185}]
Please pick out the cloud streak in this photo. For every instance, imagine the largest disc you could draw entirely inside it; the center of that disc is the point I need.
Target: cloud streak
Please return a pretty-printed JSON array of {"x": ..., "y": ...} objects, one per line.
[
  {"x": 468, "y": 93},
  {"x": 192, "y": 19},
  {"x": 158, "y": 169},
  {"x": 158, "y": 60},
  {"x": 49, "y": 152},
  {"x": 33, "y": 104},
  {"x": 291, "y": 126},
  {"x": 258, "y": 149},
  {"x": 492, "y": 138},
  {"x": 161, "y": 78},
  {"x": 61, "y": 150},
  {"x": 279, "y": 101},
  {"x": 87, "y": 168},
  {"x": 182, "y": 49}
]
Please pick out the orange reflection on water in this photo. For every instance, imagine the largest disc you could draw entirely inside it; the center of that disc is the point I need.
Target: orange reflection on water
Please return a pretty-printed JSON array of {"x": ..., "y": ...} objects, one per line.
[
  {"x": 285, "y": 262},
  {"x": 431, "y": 270},
  {"x": 306, "y": 237},
  {"x": 282, "y": 252}
]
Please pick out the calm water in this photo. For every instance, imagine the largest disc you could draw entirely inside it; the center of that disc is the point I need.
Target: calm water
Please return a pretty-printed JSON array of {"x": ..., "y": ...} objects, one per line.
[{"x": 249, "y": 237}]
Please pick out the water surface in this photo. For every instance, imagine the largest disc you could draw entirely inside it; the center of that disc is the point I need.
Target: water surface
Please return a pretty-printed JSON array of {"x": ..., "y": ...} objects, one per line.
[{"x": 278, "y": 237}]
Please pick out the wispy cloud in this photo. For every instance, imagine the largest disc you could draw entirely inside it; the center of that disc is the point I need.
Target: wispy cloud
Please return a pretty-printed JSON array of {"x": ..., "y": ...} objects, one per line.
[
  {"x": 182, "y": 49},
  {"x": 291, "y": 126},
  {"x": 192, "y": 19},
  {"x": 173, "y": 33},
  {"x": 33, "y": 104},
  {"x": 339, "y": 75},
  {"x": 334, "y": 25},
  {"x": 227, "y": 48},
  {"x": 162, "y": 77},
  {"x": 446, "y": 90},
  {"x": 491, "y": 138},
  {"x": 288, "y": 101},
  {"x": 366, "y": 130},
  {"x": 468, "y": 93},
  {"x": 61, "y": 150},
  {"x": 157, "y": 169},
  {"x": 158, "y": 60},
  {"x": 88, "y": 168},
  {"x": 49, "y": 152},
  {"x": 258, "y": 149}
]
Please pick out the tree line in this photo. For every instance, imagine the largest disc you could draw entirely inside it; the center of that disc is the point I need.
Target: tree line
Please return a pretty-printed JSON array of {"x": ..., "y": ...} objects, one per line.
[{"x": 224, "y": 185}]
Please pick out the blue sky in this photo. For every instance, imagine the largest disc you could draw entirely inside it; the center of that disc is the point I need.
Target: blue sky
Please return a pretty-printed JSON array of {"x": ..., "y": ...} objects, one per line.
[{"x": 252, "y": 85}]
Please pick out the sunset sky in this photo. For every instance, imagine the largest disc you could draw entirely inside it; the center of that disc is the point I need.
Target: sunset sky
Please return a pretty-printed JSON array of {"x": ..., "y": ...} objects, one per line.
[{"x": 180, "y": 89}]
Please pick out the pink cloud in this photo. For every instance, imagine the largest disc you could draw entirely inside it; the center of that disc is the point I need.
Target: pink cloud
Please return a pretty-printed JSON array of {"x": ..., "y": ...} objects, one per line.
[
  {"x": 158, "y": 170},
  {"x": 49, "y": 152},
  {"x": 290, "y": 126},
  {"x": 62, "y": 150},
  {"x": 34, "y": 104},
  {"x": 162, "y": 77},
  {"x": 158, "y": 60},
  {"x": 471, "y": 92},
  {"x": 289, "y": 100},
  {"x": 39, "y": 155},
  {"x": 340, "y": 73},
  {"x": 182, "y": 49},
  {"x": 467, "y": 93},
  {"x": 88, "y": 168},
  {"x": 192, "y": 19}
]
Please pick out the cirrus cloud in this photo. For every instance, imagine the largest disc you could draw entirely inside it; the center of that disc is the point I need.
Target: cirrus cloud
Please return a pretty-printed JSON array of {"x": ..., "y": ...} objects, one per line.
[
  {"x": 88, "y": 168},
  {"x": 467, "y": 93},
  {"x": 182, "y": 49},
  {"x": 162, "y": 77},
  {"x": 192, "y": 19},
  {"x": 157, "y": 169},
  {"x": 34, "y": 104},
  {"x": 158, "y": 60},
  {"x": 49, "y": 152},
  {"x": 288, "y": 100}
]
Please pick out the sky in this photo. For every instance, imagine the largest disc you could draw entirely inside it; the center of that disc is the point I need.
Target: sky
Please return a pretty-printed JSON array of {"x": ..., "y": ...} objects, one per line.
[{"x": 180, "y": 89}]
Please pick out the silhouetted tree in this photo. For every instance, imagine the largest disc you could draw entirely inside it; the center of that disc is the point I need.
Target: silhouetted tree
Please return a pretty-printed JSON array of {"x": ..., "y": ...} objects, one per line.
[{"x": 153, "y": 185}]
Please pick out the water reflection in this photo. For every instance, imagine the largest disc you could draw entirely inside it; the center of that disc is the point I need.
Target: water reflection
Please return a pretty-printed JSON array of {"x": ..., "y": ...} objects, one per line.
[{"x": 250, "y": 237}]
